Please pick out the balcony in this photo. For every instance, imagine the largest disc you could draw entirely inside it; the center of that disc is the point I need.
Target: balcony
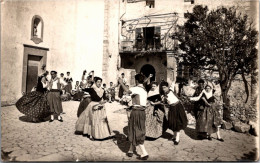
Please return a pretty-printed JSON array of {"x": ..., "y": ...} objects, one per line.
[{"x": 142, "y": 45}]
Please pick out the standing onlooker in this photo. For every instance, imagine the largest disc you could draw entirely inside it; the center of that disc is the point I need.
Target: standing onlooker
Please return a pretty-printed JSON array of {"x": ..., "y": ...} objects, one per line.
[
  {"x": 69, "y": 81},
  {"x": 121, "y": 90},
  {"x": 136, "y": 123},
  {"x": 63, "y": 82},
  {"x": 54, "y": 98},
  {"x": 111, "y": 93},
  {"x": 106, "y": 91}
]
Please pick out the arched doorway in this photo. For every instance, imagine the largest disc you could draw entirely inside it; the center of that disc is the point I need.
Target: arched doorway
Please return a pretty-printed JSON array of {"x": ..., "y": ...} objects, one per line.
[{"x": 148, "y": 69}]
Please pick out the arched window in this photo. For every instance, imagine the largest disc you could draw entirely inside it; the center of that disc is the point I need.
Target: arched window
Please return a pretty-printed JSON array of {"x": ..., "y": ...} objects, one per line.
[{"x": 37, "y": 29}]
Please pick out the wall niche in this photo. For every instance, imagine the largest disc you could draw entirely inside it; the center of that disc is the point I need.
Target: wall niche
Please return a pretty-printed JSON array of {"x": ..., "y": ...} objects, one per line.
[{"x": 37, "y": 29}]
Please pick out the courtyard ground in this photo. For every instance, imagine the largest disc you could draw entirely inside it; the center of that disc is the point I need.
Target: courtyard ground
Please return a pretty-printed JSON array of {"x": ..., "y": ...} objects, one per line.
[{"x": 56, "y": 141}]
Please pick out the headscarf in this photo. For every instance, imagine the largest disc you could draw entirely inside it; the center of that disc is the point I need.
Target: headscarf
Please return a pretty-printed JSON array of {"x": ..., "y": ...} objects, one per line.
[
  {"x": 99, "y": 91},
  {"x": 154, "y": 92}
]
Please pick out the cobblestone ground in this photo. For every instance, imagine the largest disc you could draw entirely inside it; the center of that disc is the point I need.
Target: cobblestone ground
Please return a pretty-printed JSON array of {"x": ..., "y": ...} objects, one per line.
[{"x": 56, "y": 141}]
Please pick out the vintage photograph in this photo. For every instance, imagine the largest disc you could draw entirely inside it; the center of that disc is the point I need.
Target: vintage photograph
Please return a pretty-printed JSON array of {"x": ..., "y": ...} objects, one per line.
[{"x": 129, "y": 80}]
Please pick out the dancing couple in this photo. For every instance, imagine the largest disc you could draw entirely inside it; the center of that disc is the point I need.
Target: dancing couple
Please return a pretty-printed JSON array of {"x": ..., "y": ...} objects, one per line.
[{"x": 44, "y": 101}]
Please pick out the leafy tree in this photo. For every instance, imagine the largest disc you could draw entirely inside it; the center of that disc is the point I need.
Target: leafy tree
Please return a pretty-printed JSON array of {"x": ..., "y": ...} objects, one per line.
[{"x": 221, "y": 40}]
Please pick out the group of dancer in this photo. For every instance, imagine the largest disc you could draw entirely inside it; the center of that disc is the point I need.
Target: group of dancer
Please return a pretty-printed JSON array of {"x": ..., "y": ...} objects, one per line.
[
  {"x": 154, "y": 108},
  {"x": 93, "y": 121}
]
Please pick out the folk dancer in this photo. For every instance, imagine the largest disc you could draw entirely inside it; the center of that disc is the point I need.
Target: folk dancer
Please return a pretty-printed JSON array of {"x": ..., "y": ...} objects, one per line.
[
  {"x": 54, "y": 98},
  {"x": 136, "y": 123},
  {"x": 177, "y": 118},
  {"x": 208, "y": 120},
  {"x": 34, "y": 104}
]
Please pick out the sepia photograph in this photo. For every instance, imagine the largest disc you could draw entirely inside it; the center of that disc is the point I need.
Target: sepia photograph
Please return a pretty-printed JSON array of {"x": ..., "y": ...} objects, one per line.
[{"x": 129, "y": 80}]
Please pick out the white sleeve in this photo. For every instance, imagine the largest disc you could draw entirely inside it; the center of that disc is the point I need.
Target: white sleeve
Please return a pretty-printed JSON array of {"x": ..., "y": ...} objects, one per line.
[
  {"x": 198, "y": 97},
  {"x": 133, "y": 90},
  {"x": 45, "y": 85}
]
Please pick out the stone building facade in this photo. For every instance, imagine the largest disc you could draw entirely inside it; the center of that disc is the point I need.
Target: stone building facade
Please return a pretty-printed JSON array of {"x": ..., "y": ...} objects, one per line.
[
  {"x": 69, "y": 37},
  {"x": 98, "y": 35}
]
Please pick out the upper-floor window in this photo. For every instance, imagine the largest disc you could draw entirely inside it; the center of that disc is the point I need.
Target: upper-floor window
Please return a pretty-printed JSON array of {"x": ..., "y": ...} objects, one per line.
[
  {"x": 37, "y": 29},
  {"x": 148, "y": 38},
  {"x": 150, "y": 3}
]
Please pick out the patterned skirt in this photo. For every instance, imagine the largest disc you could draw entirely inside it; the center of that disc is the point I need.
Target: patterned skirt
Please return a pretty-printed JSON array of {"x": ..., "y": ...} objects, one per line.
[
  {"x": 208, "y": 120},
  {"x": 93, "y": 121},
  {"x": 154, "y": 121},
  {"x": 177, "y": 118},
  {"x": 136, "y": 126},
  {"x": 34, "y": 105}
]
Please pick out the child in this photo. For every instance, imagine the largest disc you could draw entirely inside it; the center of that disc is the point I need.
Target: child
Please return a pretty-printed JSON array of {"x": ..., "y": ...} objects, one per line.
[
  {"x": 111, "y": 93},
  {"x": 126, "y": 98}
]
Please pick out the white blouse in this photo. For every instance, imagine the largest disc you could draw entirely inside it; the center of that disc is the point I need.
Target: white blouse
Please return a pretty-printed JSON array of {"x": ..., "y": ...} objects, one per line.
[{"x": 171, "y": 99}]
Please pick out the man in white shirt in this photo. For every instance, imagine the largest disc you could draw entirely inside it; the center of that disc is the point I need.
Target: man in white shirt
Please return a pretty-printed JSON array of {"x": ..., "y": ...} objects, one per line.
[
  {"x": 136, "y": 124},
  {"x": 54, "y": 98}
]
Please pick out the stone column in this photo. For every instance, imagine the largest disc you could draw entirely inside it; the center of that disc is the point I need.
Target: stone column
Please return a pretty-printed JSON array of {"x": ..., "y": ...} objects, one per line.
[
  {"x": 171, "y": 67},
  {"x": 105, "y": 41}
]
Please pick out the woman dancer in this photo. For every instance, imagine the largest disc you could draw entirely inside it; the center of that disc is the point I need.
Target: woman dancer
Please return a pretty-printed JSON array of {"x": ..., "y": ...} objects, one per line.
[
  {"x": 154, "y": 113},
  {"x": 34, "y": 104},
  {"x": 177, "y": 119},
  {"x": 208, "y": 120},
  {"x": 86, "y": 99},
  {"x": 93, "y": 120}
]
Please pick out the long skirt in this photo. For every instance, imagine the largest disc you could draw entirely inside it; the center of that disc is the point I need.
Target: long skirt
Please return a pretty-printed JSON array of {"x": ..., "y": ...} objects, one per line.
[
  {"x": 54, "y": 100},
  {"x": 83, "y": 105},
  {"x": 154, "y": 121},
  {"x": 208, "y": 120},
  {"x": 177, "y": 118},
  {"x": 136, "y": 126},
  {"x": 93, "y": 121},
  {"x": 121, "y": 92},
  {"x": 34, "y": 105}
]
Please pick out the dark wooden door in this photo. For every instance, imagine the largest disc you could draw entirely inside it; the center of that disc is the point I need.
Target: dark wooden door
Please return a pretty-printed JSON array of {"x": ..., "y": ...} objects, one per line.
[{"x": 32, "y": 72}]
